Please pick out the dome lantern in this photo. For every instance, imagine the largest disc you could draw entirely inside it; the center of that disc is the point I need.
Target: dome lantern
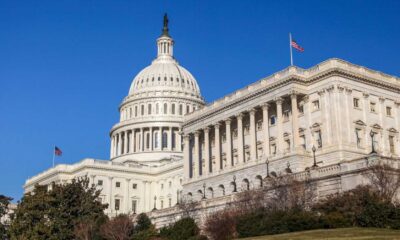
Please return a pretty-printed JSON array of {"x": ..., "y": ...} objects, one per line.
[{"x": 165, "y": 42}]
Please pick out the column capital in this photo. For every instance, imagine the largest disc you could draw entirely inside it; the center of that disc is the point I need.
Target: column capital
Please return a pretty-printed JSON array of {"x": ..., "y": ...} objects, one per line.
[
  {"x": 228, "y": 121},
  {"x": 217, "y": 125},
  {"x": 382, "y": 99},
  {"x": 239, "y": 115},
  {"x": 197, "y": 133},
  {"x": 321, "y": 92},
  {"x": 265, "y": 106},
  {"x": 186, "y": 136},
  {"x": 278, "y": 100},
  {"x": 206, "y": 129},
  {"x": 365, "y": 94},
  {"x": 252, "y": 111},
  {"x": 293, "y": 94}
]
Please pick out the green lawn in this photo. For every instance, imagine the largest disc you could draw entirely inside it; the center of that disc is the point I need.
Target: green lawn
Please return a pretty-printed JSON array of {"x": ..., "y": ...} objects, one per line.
[{"x": 336, "y": 234}]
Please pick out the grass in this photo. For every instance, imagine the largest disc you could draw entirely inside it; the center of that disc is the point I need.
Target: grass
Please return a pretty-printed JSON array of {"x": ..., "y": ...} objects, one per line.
[{"x": 336, "y": 234}]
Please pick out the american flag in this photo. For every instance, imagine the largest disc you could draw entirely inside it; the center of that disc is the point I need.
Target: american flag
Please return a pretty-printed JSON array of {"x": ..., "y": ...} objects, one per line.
[
  {"x": 297, "y": 46},
  {"x": 57, "y": 151}
]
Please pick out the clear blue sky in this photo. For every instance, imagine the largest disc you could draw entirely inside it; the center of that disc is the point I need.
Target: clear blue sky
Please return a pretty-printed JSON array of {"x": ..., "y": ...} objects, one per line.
[{"x": 66, "y": 65}]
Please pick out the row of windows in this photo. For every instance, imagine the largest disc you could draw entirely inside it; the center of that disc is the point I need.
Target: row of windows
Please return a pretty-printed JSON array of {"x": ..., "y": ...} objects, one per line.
[
  {"x": 151, "y": 81},
  {"x": 117, "y": 184},
  {"x": 157, "y": 109},
  {"x": 360, "y": 140},
  {"x": 372, "y": 107}
]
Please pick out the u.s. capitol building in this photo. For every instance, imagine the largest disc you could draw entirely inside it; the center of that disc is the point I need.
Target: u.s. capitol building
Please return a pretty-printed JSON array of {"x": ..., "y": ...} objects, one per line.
[{"x": 168, "y": 145}]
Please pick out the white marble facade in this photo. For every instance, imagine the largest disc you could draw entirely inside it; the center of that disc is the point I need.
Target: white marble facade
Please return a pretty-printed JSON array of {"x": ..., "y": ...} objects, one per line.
[{"x": 333, "y": 107}]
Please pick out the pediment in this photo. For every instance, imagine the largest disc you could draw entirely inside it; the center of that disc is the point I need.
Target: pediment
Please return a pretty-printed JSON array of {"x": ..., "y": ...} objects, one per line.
[
  {"x": 376, "y": 126},
  {"x": 359, "y": 122},
  {"x": 316, "y": 125},
  {"x": 393, "y": 130}
]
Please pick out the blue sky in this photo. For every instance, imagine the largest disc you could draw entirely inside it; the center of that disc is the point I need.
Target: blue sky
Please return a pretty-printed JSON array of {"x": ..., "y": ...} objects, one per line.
[{"x": 66, "y": 65}]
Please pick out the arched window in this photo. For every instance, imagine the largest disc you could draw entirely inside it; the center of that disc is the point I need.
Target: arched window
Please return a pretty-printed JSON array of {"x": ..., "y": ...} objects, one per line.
[
  {"x": 142, "y": 110},
  {"x": 156, "y": 140},
  {"x": 157, "y": 108},
  {"x": 130, "y": 112},
  {"x": 187, "y": 109},
  {"x": 147, "y": 140},
  {"x": 165, "y": 108},
  {"x": 173, "y": 108},
  {"x": 135, "y": 111},
  {"x": 180, "y": 109},
  {"x": 149, "y": 109},
  {"x": 164, "y": 140}
]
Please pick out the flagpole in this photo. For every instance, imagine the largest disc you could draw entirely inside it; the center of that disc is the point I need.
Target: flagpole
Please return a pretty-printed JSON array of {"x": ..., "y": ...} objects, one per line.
[
  {"x": 290, "y": 47},
  {"x": 54, "y": 150}
]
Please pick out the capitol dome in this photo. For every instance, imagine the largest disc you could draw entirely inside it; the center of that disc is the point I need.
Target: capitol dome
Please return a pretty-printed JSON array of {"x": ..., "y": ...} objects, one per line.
[{"x": 152, "y": 114}]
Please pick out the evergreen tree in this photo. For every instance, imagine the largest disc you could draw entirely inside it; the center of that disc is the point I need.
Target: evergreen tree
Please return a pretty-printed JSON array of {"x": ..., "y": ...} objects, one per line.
[
  {"x": 4, "y": 202},
  {"x": 55, "y": 214}
]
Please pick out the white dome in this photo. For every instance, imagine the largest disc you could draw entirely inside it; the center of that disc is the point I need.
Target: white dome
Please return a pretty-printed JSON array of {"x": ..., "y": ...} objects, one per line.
[{"x": 167, "y": 74}]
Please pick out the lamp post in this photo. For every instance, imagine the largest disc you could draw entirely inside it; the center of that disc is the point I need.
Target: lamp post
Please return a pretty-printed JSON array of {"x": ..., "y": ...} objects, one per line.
[
  {"x": 267, "y": 163},
  {"x": 372, "y": 134},
  {"x": 204, "y": 190},
  {"x": 315, "y": 161},
  {"x": 234, "y": 184}
]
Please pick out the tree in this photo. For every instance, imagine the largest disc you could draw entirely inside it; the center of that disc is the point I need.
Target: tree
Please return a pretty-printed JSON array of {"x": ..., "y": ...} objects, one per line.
[
  {"x": 385, "y": 180},
  {"x": 118, "y": 228},
  {"x": 4, "y": 202},
  {"x": 57, "y": 213},
  {"x": 143, "y": 223}
]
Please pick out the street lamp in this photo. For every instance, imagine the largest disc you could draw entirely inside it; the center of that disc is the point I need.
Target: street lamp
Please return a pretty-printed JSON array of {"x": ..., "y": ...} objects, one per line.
[
  {"x": 234, "y": 183},
  {"x": 204, "y": 190},
  {"x": 315, "y": 161},
  {"x": 372, "y": 134},
  {"x": 267, "y": 162}
]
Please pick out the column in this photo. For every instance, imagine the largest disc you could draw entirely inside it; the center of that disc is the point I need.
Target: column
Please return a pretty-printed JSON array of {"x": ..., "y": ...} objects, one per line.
[
  {"x": 132, "y": 148},
  {"x": 141, "y": 140},
  {"x": 151, "y": 138},
  {"x": 112, "y": 147},
  {"x": 279, "y": 102},
  {"x": 397, "y": 124},
  {"x": 160, "y": 139},
  {"x": 295, "y": 121},
  {"x": 186, "y": 157},
  {"x": 217, "y": 147},
  {"x": 207, "y": 159},
  {"x": 253, "y": 135},
  {"x": 229, "y": 159},
  {"x": 178, "y": 138},
  {"x": 110, "y": 206},
  {"x": 348, "y": 104},
  {"x": 240, "y": 138},
  {"x": 365, "y": 119},
  {"x": 265, "y": 107},
  {"x": 119, "y": 144},
  {"x": 383, "y": 134},
  {"x": 127, "y": 198},
  {"x": 170, "y": 139},
  {"x": 197, "y": 153},
  {"x": 126, "y": 142}
]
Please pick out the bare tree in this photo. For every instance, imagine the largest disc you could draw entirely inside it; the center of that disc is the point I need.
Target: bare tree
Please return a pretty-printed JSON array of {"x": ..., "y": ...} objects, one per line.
[
  {"x": 385, "y": 179},
  {"x": 248, "y": 201},
  {"x": 84, "y": 231},
  {"x": 188, "y": 207},
  {"x": 118, "y": 228}
]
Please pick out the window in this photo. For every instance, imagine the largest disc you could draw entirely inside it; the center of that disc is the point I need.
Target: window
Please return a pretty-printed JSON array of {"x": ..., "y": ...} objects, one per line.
[
  {"x": 180, "y": 109},
  {"x": 164, "y": 140},
  {"x": 130, "y": 112},
  {"x": 156, "y": 140},
  {"x": 388, "y": 111},
  {"x": 169, "y": 202},
  {"x": 173, "y": 141},
  {"x": 135, "y": 111},
  {"x": 259, "y": 125},
  {"x": 162, "y": 204},
  {"x": 162, "y": 186},
  {"x": 303, "y": 141},
  {"x": 100, "y": 182},
  {"x": 301, "y": 109},
  {"x": 147, "y": 140},
  {"x": 272, "y": 120},
  {"x": 391, "y": 144},
  {"x": 142, "y": 110},
  {"x": 149, "y": 109},
  {"x": 117, "y": 184},
  {"x": 318, "y": 137},
  {"x": 134, "y": 186},
  {"x": 286, "y": 115},
  {"x": 372, "y": 107},
  {"x": 358, "y": 137},
  {"x": 117, "y": 204},
  {"x": 287, "y": 141},
  {"x": 170, "y": 184},
  {"x": 315, "y": 104},
  {"x": 165, "y": 108},
  {"x": 273, "y": 148},
  {"x": 134, "y": 206},
  {"x": 173, "y": 108},
  {"x": 356, "y": 102},
  {"x": 187, "y": 109},
  {"x": 157, "y": 108}
]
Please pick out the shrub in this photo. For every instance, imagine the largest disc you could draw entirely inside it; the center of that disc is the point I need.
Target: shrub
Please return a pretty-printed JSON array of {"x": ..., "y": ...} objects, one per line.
[
  {"x": 221, "y": 225},
  {"x": 143, "y": 223},
  {"x": 183, "y": 229}
]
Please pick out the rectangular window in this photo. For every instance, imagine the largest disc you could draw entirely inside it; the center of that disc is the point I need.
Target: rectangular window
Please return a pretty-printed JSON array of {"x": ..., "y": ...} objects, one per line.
[
  {"x": 273, "y": 148},
  {"x": 356, "y": 102},
  {"x": 391, "y": 144},
  {"x": 301, "y": 109},
  {"x": 100, "y": 182},
  {"x": 303, "y": 141},
  {"x": 372, "y": 107},
  {"x": 287, "y": 142},
  {"x": 272, "y": 120},
  {"x": 318, "y": 137},
  {"x": 117, "y": 184},
  {"x": 315, "y": 104},
  {"x": 259, "y": 125},
  {"x": 134, "y": 186},
  {"x": 117, "y": 204},
  {"x": 134, "y": 206},
  {"x": 388, "y": 111},
  {"x": 358, "y": 137}
]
